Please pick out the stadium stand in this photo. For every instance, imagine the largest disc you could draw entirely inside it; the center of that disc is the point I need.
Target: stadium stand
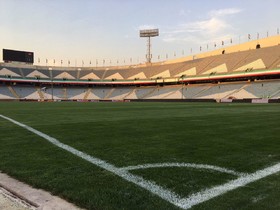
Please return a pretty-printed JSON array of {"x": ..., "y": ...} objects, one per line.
[
  {"x": 76, "y": 93},
  {"x": 219, "y": 91},
  {"x": 262, "y": 89},
  {"x": 5, "y": 93},
  {"x": 237, "y": 90},
  {"x": 25, "y": 92},
  {"x": 241, "y": 72},
  {"x": 120, "y": 93},
  {"x": 160, "y": 93}
]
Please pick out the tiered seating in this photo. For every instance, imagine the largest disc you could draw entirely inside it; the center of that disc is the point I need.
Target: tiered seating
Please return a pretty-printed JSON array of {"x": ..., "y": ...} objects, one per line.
[
  {"x": 268, "y": 57},
  {"x": 86, "y": 74},
  {"x": 5, "y": 93},
  {"x": 131, "y": 73},
  {"x": 99, "y": 93},
  {"x": 120, "y": 93},
  {"x": 131, "y": 94},
  {"x": 153, "y": 71},
  {"x": 193, "y": 90},
  {"x": 58, "y": 93},
  {"x": 76, "y": 93},
  {"x": 58, "y": 74},
  {"x": 236, "y": 62},
  {"x": 241, "y": 93},
  {"x": 219, "y": 91},
  {"x": 181, "y": 70},
  {"x": 276, "y": 95},
  {"x": 175, "y": 94},
  {"x": 141, "y": 93},
  {"x": 263, "y": 90},
  {"x": 266, "y": 89},
  {"x": 26, "y": 92},
  {"x": 161, "y": 93},
  {"x": 204, "y": 63}
]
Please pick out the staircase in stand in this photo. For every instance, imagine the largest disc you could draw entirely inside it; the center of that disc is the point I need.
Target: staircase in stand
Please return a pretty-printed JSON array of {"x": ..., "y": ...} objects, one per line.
[
  {"x": 41, "y": 95},
  {"x": 131, "y": 92},
  {"x": 148, "y": 93},
  {"x": 87, "y": 94},
  {"x": 235, "y": 91},
  {"x": 109, "y": 93},
  {"x": 13, "y": 92}
]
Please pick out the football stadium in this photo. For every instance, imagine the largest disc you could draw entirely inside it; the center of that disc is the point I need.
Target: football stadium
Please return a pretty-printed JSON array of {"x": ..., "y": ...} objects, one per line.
[
  {"x": 199, "y": 131},
  {"x": 246, "y": 73}
]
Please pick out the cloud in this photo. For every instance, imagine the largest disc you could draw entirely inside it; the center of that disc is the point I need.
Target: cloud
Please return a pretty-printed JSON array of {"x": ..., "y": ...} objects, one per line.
[
  {"x": 224, "y": 12},
  {"x": 215, "y": 26},
  {"x": 212, "y": 25}
]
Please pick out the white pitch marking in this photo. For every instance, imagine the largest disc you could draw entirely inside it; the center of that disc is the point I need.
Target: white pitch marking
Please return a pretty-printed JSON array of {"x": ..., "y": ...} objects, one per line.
[
  {"x": 188, "y": 165},
  {"x": 148, "y": 185},
  {"x": 208, "y": 194},
  {"x": 184, "y": 203}
]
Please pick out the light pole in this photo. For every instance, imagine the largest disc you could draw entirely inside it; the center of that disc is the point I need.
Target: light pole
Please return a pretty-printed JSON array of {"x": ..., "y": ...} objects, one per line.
[
  {"x": 148, "y": 34},
  {"x": 182, "y": 78},
  {"x": 51, "y": 82}
]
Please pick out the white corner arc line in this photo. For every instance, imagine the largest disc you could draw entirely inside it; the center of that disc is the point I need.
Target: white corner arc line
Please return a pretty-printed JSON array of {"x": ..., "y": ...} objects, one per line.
[
  {"x": 187, "y": 165},
  {"x": 184, "y": 203},
  {"x": 208, "y": 194}
]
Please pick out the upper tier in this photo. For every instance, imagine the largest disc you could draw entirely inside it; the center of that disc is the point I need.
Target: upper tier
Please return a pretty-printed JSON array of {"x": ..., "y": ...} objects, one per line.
[{"x": 265, "y": 58}]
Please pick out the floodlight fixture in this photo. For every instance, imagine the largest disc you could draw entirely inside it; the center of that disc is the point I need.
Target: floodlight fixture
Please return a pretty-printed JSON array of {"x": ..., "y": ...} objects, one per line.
[{"x": 148, "y": 33}]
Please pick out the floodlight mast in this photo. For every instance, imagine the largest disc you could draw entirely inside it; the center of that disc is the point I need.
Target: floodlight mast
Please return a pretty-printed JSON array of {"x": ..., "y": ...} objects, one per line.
[{"x": 149, "y": 33}]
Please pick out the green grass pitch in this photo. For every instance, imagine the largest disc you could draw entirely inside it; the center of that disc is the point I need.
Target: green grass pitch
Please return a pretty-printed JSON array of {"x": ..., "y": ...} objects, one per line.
[{"x": 239, "y": 137}]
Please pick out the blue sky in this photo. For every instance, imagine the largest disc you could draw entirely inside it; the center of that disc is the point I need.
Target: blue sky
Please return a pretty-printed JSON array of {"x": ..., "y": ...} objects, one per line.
[{"x": 87, "y": 30}]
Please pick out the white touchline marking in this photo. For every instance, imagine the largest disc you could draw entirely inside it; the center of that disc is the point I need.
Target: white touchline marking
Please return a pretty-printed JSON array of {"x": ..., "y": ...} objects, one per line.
[
  {"x": 188, "y": 165},
  {"x": 184, "y": 203},
  {"x": 148, "y": 185}
]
